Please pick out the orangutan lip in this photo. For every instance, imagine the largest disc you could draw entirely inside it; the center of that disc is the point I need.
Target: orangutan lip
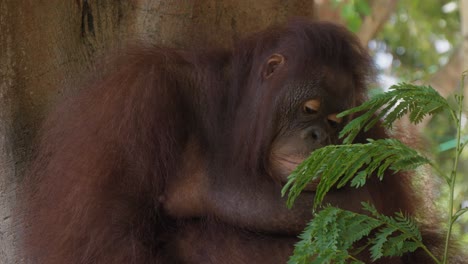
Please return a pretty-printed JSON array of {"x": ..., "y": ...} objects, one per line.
[
  {"x": 289, "y": 165},
  {"x": 312, "y": 186}
]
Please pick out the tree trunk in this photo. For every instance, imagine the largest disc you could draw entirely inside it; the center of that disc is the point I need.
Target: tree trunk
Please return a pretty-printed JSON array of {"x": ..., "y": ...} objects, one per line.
[
  {"x": 48, "y": 47},
  {"x": 7, "y": 163}
]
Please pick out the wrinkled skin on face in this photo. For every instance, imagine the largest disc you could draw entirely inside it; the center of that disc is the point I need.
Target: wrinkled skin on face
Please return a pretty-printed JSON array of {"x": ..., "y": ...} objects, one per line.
[{"x": 309, "y": 123}]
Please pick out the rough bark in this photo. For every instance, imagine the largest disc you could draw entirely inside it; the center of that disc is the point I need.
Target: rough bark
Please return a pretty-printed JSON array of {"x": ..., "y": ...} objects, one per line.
[
  {"x": 48, "y": 47},
  {"x": 7, "y": 164}
]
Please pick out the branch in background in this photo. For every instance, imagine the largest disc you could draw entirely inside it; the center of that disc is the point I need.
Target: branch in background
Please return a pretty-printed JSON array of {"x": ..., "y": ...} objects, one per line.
[
  {"x": 464, "y": 30},
  {"x": 446, "y": 79},
  {"x": 381, "y": 11},
  {"x": 371, "y": 24}
]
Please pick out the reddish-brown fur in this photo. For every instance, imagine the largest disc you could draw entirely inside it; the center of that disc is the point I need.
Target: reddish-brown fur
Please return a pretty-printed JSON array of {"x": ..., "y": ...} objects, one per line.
[{"x": 166, "y": 160}]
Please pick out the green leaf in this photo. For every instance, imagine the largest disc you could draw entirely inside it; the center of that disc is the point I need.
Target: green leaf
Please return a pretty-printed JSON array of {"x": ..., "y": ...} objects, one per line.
[
  {"x": 328, "y": 237},
  {"x": 331, "y": 236},
  {"x": 354, "y": 23},
  {"x": 348, "y": 11},
  {"x": 336, "y": 165},
  {"x": 402, "y": 99},
  {"x": 362, "y": 7}
]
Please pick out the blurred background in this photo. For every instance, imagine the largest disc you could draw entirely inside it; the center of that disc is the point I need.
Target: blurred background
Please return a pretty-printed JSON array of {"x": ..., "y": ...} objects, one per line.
[
  {"x": 49, "y": 47},
  {"x": 424, "y": 42}
]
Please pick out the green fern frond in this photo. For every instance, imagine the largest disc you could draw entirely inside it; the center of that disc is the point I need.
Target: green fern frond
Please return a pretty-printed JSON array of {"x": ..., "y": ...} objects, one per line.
[
  {"x": 337, "y": 165},
  {"x": 399, "y": 234},
  {"x": 330, "y": 236},
  {"x": 402, "y": 99},
  {"x": 380, "y": 240}
]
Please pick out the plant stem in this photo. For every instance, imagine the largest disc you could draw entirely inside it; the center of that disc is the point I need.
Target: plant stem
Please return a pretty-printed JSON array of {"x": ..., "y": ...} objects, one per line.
[
  {"x": 453, "y": 175},
  {"x": 428, "y": 252}
]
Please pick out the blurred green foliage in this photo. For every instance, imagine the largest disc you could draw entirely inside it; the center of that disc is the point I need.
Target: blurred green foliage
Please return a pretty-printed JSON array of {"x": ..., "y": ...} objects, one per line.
[
  {"x": 439, "y": 131},
  {"x": 352, "y": 11},
  {"x": 420, "y": 36},
  {"x": 412, "y": 33},
  {"x": 411, "y": 36}
]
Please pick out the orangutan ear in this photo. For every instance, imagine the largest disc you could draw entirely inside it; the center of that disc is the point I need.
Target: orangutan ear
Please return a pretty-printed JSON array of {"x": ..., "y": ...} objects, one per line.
[{"x": 273, "y": 62}]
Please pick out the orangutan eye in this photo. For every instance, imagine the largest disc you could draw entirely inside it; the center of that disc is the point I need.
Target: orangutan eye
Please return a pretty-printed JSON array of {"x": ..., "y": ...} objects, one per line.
[
  {"x": 311, "y": 107},
  {"x": 333, "y": 120}
]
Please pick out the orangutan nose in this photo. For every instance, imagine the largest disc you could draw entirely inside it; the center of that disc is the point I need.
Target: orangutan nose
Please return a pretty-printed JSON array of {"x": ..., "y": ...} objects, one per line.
[{"x": 316, "y": 134}]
